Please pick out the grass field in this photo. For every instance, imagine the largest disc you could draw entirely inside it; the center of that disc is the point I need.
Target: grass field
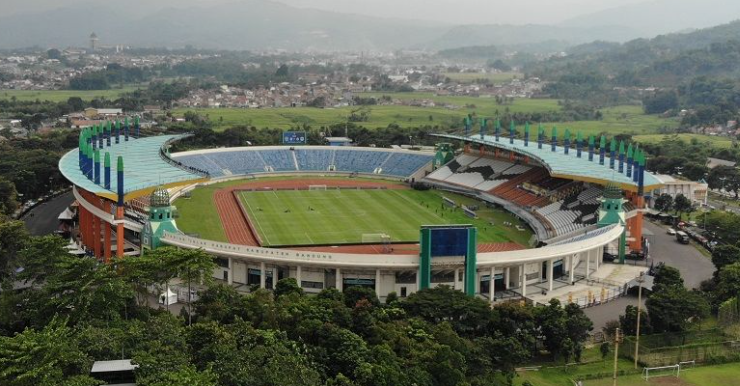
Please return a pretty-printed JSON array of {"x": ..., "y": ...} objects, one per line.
[
  {"x": 616, "y": 120},
  {"x": 720, "y": 375},
  {"x": 343, "y": 216},
  {"x": 498, "y": 78},
  {"x": 379, "y": 116},
  {"x": 198, "y": 214},
  {"x": 63, "y": 95},
  {"x": 713, "y": 141}
]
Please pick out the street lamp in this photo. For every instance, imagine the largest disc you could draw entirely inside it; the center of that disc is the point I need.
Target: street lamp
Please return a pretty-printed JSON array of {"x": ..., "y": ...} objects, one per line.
[{"x": 640, "y": 280}]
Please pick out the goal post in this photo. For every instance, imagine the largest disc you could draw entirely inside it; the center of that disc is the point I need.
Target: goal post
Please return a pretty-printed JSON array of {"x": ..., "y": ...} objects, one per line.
[
  {"x": 316, "y": 187},
  {"x": 375, "y": 238},
  {"x": 661, "y": 371}
]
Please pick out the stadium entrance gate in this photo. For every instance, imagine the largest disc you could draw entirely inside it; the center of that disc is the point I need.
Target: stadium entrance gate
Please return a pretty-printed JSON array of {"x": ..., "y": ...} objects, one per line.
[{"x": 448, "y": 241}]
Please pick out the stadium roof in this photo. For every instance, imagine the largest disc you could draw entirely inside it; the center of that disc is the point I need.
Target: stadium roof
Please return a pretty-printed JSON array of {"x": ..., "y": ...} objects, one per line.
[
  {"x": 563, "y": 165},
  {"x": 144, "y": 168}
]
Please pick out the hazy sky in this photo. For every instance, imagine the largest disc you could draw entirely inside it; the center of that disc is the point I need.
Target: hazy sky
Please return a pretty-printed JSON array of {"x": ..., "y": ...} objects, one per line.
[
  {"x": 452, "y": 11},
  {"x": 469, "y": 11}
]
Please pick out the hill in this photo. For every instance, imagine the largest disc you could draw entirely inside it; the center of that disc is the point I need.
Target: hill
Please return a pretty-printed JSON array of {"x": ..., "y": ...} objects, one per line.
[
  {"x": 661, "y": 16},
  {"x": 662, "y": 60}
]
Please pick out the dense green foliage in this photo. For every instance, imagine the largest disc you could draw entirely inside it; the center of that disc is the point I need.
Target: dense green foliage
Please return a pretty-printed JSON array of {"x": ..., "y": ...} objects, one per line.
[
  {"x": 695, "y": 71},
  {"x": 78, "y": 311}
]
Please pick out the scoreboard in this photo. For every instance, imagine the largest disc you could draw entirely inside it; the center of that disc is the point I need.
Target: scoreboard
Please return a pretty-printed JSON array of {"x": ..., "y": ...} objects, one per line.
[
  {"x": 294, "y": 138},
  {"x": 449, "y": 241}
]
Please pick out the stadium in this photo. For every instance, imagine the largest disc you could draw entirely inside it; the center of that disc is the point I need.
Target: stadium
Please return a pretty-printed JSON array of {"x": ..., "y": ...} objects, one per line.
[{"x": 497, "y": 216}]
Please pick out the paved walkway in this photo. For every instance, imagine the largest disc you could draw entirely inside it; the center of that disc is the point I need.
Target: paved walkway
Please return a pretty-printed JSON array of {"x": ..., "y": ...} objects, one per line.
[
  {"x": 694, "y": 267},
  {"x": 43, "y": 219}
]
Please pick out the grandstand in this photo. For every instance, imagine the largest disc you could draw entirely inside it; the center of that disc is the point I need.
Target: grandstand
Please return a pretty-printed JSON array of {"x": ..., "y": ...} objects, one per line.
[
  {"x": 244, "y": 161},
  {"x": 563, "y": 206},
  {"x": 559, "y": 196}
]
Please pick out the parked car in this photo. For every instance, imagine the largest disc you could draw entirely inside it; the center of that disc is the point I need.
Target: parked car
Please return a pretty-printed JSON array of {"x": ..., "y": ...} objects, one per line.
[{"x": 671, "y": 231}]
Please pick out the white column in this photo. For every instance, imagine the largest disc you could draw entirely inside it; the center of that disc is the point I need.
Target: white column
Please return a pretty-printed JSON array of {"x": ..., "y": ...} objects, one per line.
[
  {"x": 477, "y": 282},
  {"x": 377, "y": 282},
  {"x": 456, "y": 283},
  {"x": 588, "y": 263},
  {"x": 230, "y": 280},
  {"x": 339, "y": 280},
  {"x": 491, "y": 290},
  {"x": 550, "y": 264},
  {"x": 263, "y": 275},
  {"x": 298, "y": 276},
  {"x": 524, "y": 281},
  {"x": 507, "y": 277},
  {"x": 599, "y": 256},
  {"x": 572, "y": 267}
]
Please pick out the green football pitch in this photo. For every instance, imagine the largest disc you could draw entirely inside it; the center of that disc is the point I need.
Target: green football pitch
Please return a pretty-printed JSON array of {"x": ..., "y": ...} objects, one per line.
[{"x": 334, "y": 216}]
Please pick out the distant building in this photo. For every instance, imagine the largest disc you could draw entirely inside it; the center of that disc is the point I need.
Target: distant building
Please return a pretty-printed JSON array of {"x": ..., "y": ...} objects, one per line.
[
  {"x": 694, "y": 191},
  {"x": 114, "y": 373},
  {"x": 714, "y": 162},
  {"x": 93, "y": 41},
  {"x": 92, "y": 112},
  {"x": 338, "y": 141}
]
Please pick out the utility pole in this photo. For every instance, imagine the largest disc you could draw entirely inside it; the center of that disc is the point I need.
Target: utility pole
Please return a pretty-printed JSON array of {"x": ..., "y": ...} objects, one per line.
[
  {"x": 617, "y": 339},
  {"x": 640, "y": 280}
]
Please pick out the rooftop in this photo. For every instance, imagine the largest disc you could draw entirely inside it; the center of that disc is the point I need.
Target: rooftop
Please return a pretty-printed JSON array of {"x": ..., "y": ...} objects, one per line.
[
  {"x": 563, "y": 165},
  {"x": 144, "y": 168},
  {"x": 114, "y": 365}
]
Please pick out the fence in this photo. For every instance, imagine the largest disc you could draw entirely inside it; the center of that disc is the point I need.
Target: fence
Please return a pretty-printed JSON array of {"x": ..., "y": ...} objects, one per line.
[
  {"x": 729, "y": 312},
  {"x": 671, "y": 348}
]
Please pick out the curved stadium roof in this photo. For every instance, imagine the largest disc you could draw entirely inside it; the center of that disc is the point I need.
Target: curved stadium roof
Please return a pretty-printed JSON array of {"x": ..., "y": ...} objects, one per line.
[
  {"x": 144, "y": 168},
  {"x": 563, "y": 165}
]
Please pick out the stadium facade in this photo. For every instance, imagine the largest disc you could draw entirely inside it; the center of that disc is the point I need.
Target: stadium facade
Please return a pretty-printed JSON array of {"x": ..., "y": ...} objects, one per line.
[{"x": 582, "y": 201}]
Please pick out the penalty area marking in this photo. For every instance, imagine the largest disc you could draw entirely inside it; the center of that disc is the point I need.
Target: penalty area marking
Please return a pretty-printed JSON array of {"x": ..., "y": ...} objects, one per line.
[{"x": 257, "y": 221}]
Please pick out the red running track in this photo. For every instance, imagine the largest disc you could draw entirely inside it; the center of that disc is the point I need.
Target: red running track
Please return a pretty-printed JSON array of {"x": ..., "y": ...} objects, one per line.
[{"x": 238, "y": 230}]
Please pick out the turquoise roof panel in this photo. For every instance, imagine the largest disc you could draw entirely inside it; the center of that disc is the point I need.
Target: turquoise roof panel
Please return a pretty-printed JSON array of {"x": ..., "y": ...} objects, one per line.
[
  {"x": 563, "y": 165},
  {"x": 144, "y": 167}
]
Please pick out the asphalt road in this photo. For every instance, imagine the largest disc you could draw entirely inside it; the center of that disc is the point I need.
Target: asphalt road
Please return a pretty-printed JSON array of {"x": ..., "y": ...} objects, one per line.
[
  {"x": 42, "y": 220},
  {"x": 723, "y": 206},
  {"x": 694, "y": 268}
]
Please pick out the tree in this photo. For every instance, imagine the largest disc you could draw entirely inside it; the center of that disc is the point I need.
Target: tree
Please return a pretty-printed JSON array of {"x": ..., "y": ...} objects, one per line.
[
  {"x": 665, "y": 275},
  {"x": 191, "y": 265},
  {"x": 185, "y": 376},
  {"x": 724, "y": 177},
  {"x": 466, "y": 314},
  {"x": 282, "y": 71},
  {"x": 354, "y": 294},
  {"x": 287, "y": 286},
  {"x": 672, "y": 307},
  {"x": 13, "y": 235},
  {"x": 628, "y": 321},
  {"x": 219, "y": 302},
  {"x": 723, "y": 255},
  {"x": 682, "y": 204},
  {"x": 75, "y": 103},
  {"x": 577, "y": 326},
  {"x": 663, "y": 202},
  {"x": 604, "y": 350},
  {"x": 391, "y": 298},
  {"x": 728, "y": 281},
  {"x": 54, "y": 54},
  {"x": 660, "y": 102},
  {"x": 44, "y": 357},
  {"x": 8, "y": 197}
]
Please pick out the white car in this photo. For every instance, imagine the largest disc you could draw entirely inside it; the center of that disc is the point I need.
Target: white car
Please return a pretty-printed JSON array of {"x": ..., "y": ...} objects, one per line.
[{"x": 671, "y": 231}]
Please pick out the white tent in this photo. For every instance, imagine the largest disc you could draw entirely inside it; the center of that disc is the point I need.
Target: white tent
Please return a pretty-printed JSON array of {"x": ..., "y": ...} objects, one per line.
[
  {"x": 66, "y": 215},
  {"x": 168, "y": 297}
]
